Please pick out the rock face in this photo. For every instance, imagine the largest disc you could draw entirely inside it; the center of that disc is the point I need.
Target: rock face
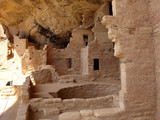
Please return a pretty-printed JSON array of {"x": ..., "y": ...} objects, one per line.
[{"x": 45, "y": 21}]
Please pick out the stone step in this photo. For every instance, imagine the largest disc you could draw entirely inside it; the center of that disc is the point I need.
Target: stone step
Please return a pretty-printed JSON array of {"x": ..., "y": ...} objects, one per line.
[{"x": 8, "y": 91}]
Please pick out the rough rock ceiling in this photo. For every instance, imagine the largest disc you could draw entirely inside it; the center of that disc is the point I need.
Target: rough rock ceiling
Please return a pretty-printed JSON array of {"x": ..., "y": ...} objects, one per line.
[{"x": 45, "y": 21}]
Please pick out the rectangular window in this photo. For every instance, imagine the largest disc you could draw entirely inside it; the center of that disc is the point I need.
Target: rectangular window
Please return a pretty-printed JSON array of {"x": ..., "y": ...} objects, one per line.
[
  {"x": 85, "y": 39},
  {"x": 69, "y": 63},
  {"x": 110, "y": 8},
  {"x": 96, "y": 64}
]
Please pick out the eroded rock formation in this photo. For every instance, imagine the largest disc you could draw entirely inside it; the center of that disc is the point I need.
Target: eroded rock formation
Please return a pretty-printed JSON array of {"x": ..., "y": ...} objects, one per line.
[{"x": 45, "y": 21}]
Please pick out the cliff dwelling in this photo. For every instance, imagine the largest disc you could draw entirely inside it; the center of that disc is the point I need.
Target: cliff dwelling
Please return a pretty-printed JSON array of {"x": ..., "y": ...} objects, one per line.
[{"x": 79, "y": 60}]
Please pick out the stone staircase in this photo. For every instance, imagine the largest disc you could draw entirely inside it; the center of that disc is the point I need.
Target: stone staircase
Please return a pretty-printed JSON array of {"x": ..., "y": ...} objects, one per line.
[{"x": 7, "y": 91}]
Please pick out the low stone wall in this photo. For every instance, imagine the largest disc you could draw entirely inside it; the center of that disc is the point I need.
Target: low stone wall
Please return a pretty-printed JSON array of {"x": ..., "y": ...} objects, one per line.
[
  {"x": 23, "y": 111},
  {"x": 56, "y": 106},
  {"x": 100, "y": 114}
]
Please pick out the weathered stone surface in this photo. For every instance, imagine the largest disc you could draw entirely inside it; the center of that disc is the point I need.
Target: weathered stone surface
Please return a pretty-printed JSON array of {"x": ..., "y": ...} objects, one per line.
[
  {"x": 70, "y": 116},
  {"x": 51, "y": 111},
  {"x": 36, "y": 19}
]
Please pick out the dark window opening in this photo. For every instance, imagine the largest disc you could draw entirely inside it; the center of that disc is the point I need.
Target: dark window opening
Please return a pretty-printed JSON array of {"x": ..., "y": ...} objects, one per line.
[
  {"x": 66, "y": 44},
  {"x": 96, "y": 64},
  {"x": 110, "y": 8},
  {"x": 113, "y": 44},
  {"x": 9, "y": 83},
  {"x": 85, "y": 39},
  {"x": 69, "y": 63}
]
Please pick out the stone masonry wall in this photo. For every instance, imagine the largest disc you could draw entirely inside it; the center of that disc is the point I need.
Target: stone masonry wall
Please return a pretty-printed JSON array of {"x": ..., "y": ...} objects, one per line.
[
  {"x": 132, "y": 33},
  {"x": 58, "y": 57},
  {"x": 155, "y": 17}
]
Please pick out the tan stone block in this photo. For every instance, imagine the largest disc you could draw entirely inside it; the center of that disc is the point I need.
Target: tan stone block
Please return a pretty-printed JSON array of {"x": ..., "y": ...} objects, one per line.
[
  {"x": 51, "y": 111},
  {"x": 90, "y": 118},
  {"x": 80, "y": 102},
  {"x": 68, "y": 103},
  {"x": 48, "y": 101},
  {"x": 70, "y": 116},
  {"x": 85, "y": 113},
  {"x": 106, "y": 112},
  {"x": 33, "y": 100},
  {"x": 92, "y": 101},
  {"x": 57, "y": 100}
]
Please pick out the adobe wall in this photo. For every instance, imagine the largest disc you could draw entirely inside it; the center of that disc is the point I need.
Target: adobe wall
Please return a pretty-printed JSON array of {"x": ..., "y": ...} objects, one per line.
[{"x": 155, "y": 17}]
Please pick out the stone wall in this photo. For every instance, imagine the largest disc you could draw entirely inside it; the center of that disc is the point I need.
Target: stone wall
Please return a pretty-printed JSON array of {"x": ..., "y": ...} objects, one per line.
[
  {"x": 132, "y": 33},
  {"x": 155, "y": 19},
  {"x": 88, "y": 42},
  {"x": 27, "y": 55},
  {"x": 56, "y": 106},
  {"x": 58, "y": 57}
]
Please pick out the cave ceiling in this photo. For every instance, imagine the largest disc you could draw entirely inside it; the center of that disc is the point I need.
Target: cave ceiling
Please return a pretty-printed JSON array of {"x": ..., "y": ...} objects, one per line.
[{"x": 45, "y": 21}]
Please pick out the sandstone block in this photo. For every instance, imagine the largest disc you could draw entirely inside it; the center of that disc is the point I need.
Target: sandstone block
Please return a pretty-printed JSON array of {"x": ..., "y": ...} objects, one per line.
[
  {"x": 68, "y": 103},
  {"x": 48, "y": 101},
  {"x": 80, "y": 102},
  {"x": 92, "y": 101},
  {"x": 70, "y": 116},
  {"x": 57, "y": 100},
  {"x": 85, "y": 113},
  {"x": 51, "y": 111}
]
